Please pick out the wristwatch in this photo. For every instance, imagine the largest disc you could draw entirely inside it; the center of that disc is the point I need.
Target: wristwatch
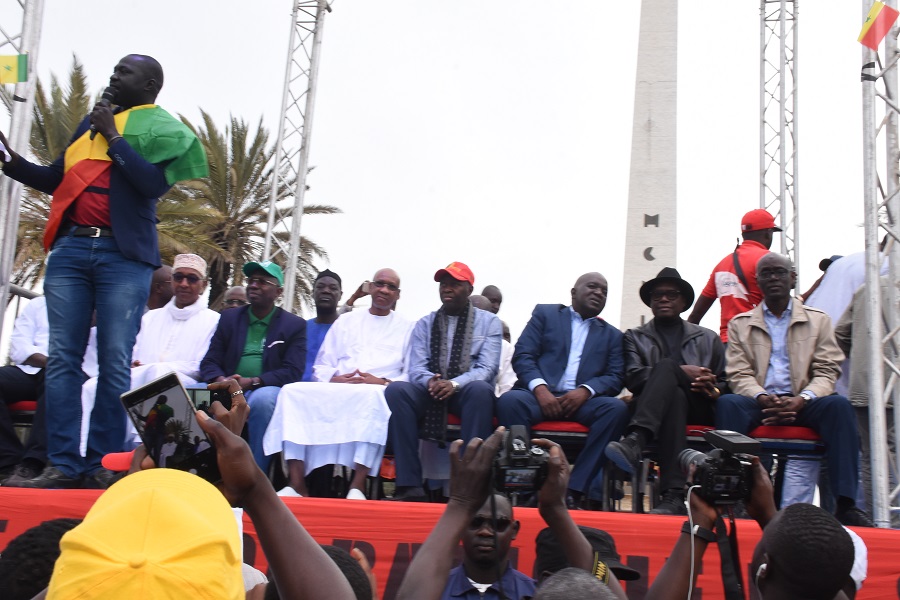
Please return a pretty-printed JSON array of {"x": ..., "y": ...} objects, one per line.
[
  {"x": 455, "y": 386},
  {"x": 806, "y": 398}
]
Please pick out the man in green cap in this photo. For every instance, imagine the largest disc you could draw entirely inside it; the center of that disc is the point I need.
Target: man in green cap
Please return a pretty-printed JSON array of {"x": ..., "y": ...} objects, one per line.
[{"x": 261, "y": 346}]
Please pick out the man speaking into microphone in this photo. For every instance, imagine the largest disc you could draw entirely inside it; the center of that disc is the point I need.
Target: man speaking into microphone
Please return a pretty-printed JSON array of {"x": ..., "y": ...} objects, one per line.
[{"x": 102, "y": 233}]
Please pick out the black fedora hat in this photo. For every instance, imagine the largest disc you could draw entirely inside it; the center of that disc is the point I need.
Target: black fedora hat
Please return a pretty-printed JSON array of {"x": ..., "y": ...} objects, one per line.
[{"x": 669, "y": 275}]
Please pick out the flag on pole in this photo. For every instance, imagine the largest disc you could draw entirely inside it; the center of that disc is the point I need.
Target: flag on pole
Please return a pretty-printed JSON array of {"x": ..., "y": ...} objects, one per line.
[
  {"x": 14, "y": 69},
  {"x": 878, "y": 22}
]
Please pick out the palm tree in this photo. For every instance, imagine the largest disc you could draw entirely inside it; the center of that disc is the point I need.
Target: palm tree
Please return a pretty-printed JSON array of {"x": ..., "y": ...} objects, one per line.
[{"x": 237, "y": 191}]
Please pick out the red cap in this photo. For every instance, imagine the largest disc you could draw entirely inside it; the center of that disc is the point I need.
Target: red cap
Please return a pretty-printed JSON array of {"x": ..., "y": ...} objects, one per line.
[
  {"x": 458, "y": 271},
  {"x": 757, "y": 220},
  {"x": 117, "y": 461}
]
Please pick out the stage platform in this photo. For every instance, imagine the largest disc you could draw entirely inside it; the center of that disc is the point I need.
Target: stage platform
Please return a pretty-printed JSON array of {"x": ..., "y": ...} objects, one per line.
[{"x": 390, "y": 533}]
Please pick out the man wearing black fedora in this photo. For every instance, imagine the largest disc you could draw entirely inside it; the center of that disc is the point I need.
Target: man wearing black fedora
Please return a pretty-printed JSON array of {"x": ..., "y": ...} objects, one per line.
[{"x": 676, "y": 371}]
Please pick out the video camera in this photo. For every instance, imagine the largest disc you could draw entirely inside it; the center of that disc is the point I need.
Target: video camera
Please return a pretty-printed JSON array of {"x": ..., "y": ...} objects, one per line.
[
  {"x": 519, "y": 467},
  {"x": 725, "y": 475}
]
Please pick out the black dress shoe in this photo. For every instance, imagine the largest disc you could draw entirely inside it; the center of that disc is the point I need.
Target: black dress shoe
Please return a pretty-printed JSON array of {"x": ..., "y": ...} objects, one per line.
[
  {"x": 415, "y": 494},
  {"x": 672, "y": 504},
  {"x": 626, "y": 454},
  {"x": 571, "y": 503},
  {"x": 22, "y": 473},
  {"x": 102, "y": 479},
  {"x": 854, "y": 517},
  {"x": 53, "y": 479}
]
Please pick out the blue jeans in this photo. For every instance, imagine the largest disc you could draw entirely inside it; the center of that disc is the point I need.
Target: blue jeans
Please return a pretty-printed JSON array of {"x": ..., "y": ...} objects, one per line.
[
  {"x": 473, "y": 403},
  {"x": 832, "y": 417},
  {"x": 84, "y": 274},
  {"x": 262, "y": 406}
]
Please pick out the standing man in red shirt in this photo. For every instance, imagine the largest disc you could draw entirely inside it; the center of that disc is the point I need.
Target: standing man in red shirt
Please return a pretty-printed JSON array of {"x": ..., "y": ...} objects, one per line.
[{"x": 733, "y": 281}]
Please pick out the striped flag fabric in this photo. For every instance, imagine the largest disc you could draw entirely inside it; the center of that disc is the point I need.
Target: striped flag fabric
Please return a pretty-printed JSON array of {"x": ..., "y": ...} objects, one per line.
[
  {"x": 14, "y": 69},
  {"x": 152, "y": 132},
  {"x": 878, "y": 22}
]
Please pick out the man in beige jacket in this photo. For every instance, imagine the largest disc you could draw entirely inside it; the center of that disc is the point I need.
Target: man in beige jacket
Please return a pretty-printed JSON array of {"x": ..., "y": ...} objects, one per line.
[{"x": 782, "y": 361}]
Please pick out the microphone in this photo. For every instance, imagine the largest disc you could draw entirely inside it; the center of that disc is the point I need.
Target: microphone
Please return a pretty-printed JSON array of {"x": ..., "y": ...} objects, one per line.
[{"x": 106, "y": 99}]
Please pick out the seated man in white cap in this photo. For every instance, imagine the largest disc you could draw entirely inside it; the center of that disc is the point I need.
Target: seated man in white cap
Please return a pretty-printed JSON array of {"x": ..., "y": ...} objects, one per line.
[
  {"x": 172, "y": 338},
  {"x": 326, "y": 421}
]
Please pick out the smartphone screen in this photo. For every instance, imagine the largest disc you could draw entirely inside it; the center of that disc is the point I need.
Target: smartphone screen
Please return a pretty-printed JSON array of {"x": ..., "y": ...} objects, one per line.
[{"x": 163, "y": 415}]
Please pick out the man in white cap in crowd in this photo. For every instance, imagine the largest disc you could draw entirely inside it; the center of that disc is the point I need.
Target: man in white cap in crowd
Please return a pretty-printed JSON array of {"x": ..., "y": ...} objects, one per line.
[{"x": 172, "y": 338}]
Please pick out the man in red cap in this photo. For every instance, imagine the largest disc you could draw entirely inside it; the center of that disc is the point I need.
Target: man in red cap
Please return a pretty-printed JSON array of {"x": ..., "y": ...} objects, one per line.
[
  {"x": 454, "y": 355},
  {"x": 733, "y": 281}
]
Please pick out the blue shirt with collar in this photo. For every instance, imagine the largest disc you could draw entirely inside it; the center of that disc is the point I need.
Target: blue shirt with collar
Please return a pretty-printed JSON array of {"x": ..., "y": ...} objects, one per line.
[
  {"x": 516, "y": 586},
  {"x": 778, "y": 375}
]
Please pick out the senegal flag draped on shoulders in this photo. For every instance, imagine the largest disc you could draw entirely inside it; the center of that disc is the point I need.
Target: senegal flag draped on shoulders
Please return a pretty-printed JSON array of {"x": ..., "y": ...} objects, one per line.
[{"x": 156, "y": 135}]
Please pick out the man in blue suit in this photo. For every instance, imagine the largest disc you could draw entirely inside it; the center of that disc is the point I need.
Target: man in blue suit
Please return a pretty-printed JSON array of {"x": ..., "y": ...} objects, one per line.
[
  {"x": 262, "y": 346},
  {"x": 570, "y": 367}
]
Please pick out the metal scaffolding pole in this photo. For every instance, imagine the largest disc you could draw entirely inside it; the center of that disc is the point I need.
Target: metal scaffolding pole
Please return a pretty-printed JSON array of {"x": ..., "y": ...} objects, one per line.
[
  {"x": 292, "y": 142},
  {"x": 27, "y": 41},
  {"x": 881, "y": 206},
  {"x": 778, "y": 158}
]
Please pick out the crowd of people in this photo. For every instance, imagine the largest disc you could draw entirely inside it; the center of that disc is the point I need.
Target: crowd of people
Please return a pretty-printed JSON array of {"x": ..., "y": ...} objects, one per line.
[{"x": 345, "y": 386}]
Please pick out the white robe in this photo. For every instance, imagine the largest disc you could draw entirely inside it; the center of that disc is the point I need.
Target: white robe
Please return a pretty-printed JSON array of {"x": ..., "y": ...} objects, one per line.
[
  {"x": 324, "y": 423},
  {"x": 170, "y": 339}
]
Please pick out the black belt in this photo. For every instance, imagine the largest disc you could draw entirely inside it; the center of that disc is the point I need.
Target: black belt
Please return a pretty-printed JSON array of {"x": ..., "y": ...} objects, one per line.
[{"x": 93, "y": 232}]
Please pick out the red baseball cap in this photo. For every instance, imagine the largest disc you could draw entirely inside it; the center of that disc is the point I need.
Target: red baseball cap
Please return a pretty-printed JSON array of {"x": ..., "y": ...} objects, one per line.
[
  {"x": 456, "y": 270},
  {"x": 757, "y": 220}
]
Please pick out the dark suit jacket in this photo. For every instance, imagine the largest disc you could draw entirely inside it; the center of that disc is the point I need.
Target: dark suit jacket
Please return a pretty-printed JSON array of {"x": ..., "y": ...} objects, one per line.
[
  {"x": 134, "y": 187},
  {"x": 284, "y": 355},
  {"x": 542, "y": 351}
]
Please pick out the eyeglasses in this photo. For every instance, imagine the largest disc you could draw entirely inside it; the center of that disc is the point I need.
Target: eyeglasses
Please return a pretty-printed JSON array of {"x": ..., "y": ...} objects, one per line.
[
  {"x": 235, "y": 302},
  {"x": 261, "y": 282},
  {"x": 773, "y": 274},
  {"x": 385, "y": 284},
  {"x": 667, "y": 294},
  {"x": 191, "y": 279},
  {"x": 500, "y": 524}
]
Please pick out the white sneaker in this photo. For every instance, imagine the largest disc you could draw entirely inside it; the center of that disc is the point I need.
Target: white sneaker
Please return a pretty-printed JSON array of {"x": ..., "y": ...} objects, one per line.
[
  {"x": 288, "y": 492},
  {"x": 355, "y": 494}
]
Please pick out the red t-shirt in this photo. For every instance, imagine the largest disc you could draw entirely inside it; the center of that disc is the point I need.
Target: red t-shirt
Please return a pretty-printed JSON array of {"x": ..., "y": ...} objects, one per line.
[
  {"x": 725, "y": 285},
  {"x": 91, "y": 207}
]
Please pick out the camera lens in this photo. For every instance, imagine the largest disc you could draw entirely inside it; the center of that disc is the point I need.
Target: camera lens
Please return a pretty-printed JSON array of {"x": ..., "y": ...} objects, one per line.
[{"x": 690, "y": 457}]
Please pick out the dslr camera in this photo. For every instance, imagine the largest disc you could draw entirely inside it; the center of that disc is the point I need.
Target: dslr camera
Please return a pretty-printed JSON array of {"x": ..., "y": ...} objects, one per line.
[
  {"x": 724, "y": 475},
  {"x": 519, "y": 467}
]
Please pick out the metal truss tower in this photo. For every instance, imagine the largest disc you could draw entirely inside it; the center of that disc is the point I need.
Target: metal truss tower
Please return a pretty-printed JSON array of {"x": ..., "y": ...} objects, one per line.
[
  {"x": 881, "y": 174},
  {"x": 298, "y": 100},
  {"x": 778, "y": 120},
  {"x": 23, "y": 37}
]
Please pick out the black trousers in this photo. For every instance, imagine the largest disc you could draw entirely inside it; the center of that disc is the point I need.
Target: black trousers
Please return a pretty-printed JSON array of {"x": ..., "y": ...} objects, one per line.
[
  {"x": 17, "y": 385},
  {"x": 664, "y": 408}
]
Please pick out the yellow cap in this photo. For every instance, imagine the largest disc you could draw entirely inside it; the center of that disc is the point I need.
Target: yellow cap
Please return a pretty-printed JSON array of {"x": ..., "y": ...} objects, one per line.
[{"x": 160, "y": 533}]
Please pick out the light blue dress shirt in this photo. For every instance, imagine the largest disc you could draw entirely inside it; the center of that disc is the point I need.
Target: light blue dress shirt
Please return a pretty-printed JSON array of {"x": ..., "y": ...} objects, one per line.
[{"x": 778, "y": 375}]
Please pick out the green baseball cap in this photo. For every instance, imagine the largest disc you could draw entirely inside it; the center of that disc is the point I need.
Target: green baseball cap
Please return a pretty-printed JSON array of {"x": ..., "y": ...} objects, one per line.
[{"x": 268, "y": 266}]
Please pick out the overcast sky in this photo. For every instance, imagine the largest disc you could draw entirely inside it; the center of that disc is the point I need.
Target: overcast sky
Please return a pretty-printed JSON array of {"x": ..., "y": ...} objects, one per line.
[{"x": 498, "y": 133}]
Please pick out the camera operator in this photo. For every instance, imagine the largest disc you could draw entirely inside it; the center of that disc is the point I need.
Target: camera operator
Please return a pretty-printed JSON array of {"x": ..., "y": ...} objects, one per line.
[
  {"x": 473, "y": 513},
  {"x": 804, "y": 553}
]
